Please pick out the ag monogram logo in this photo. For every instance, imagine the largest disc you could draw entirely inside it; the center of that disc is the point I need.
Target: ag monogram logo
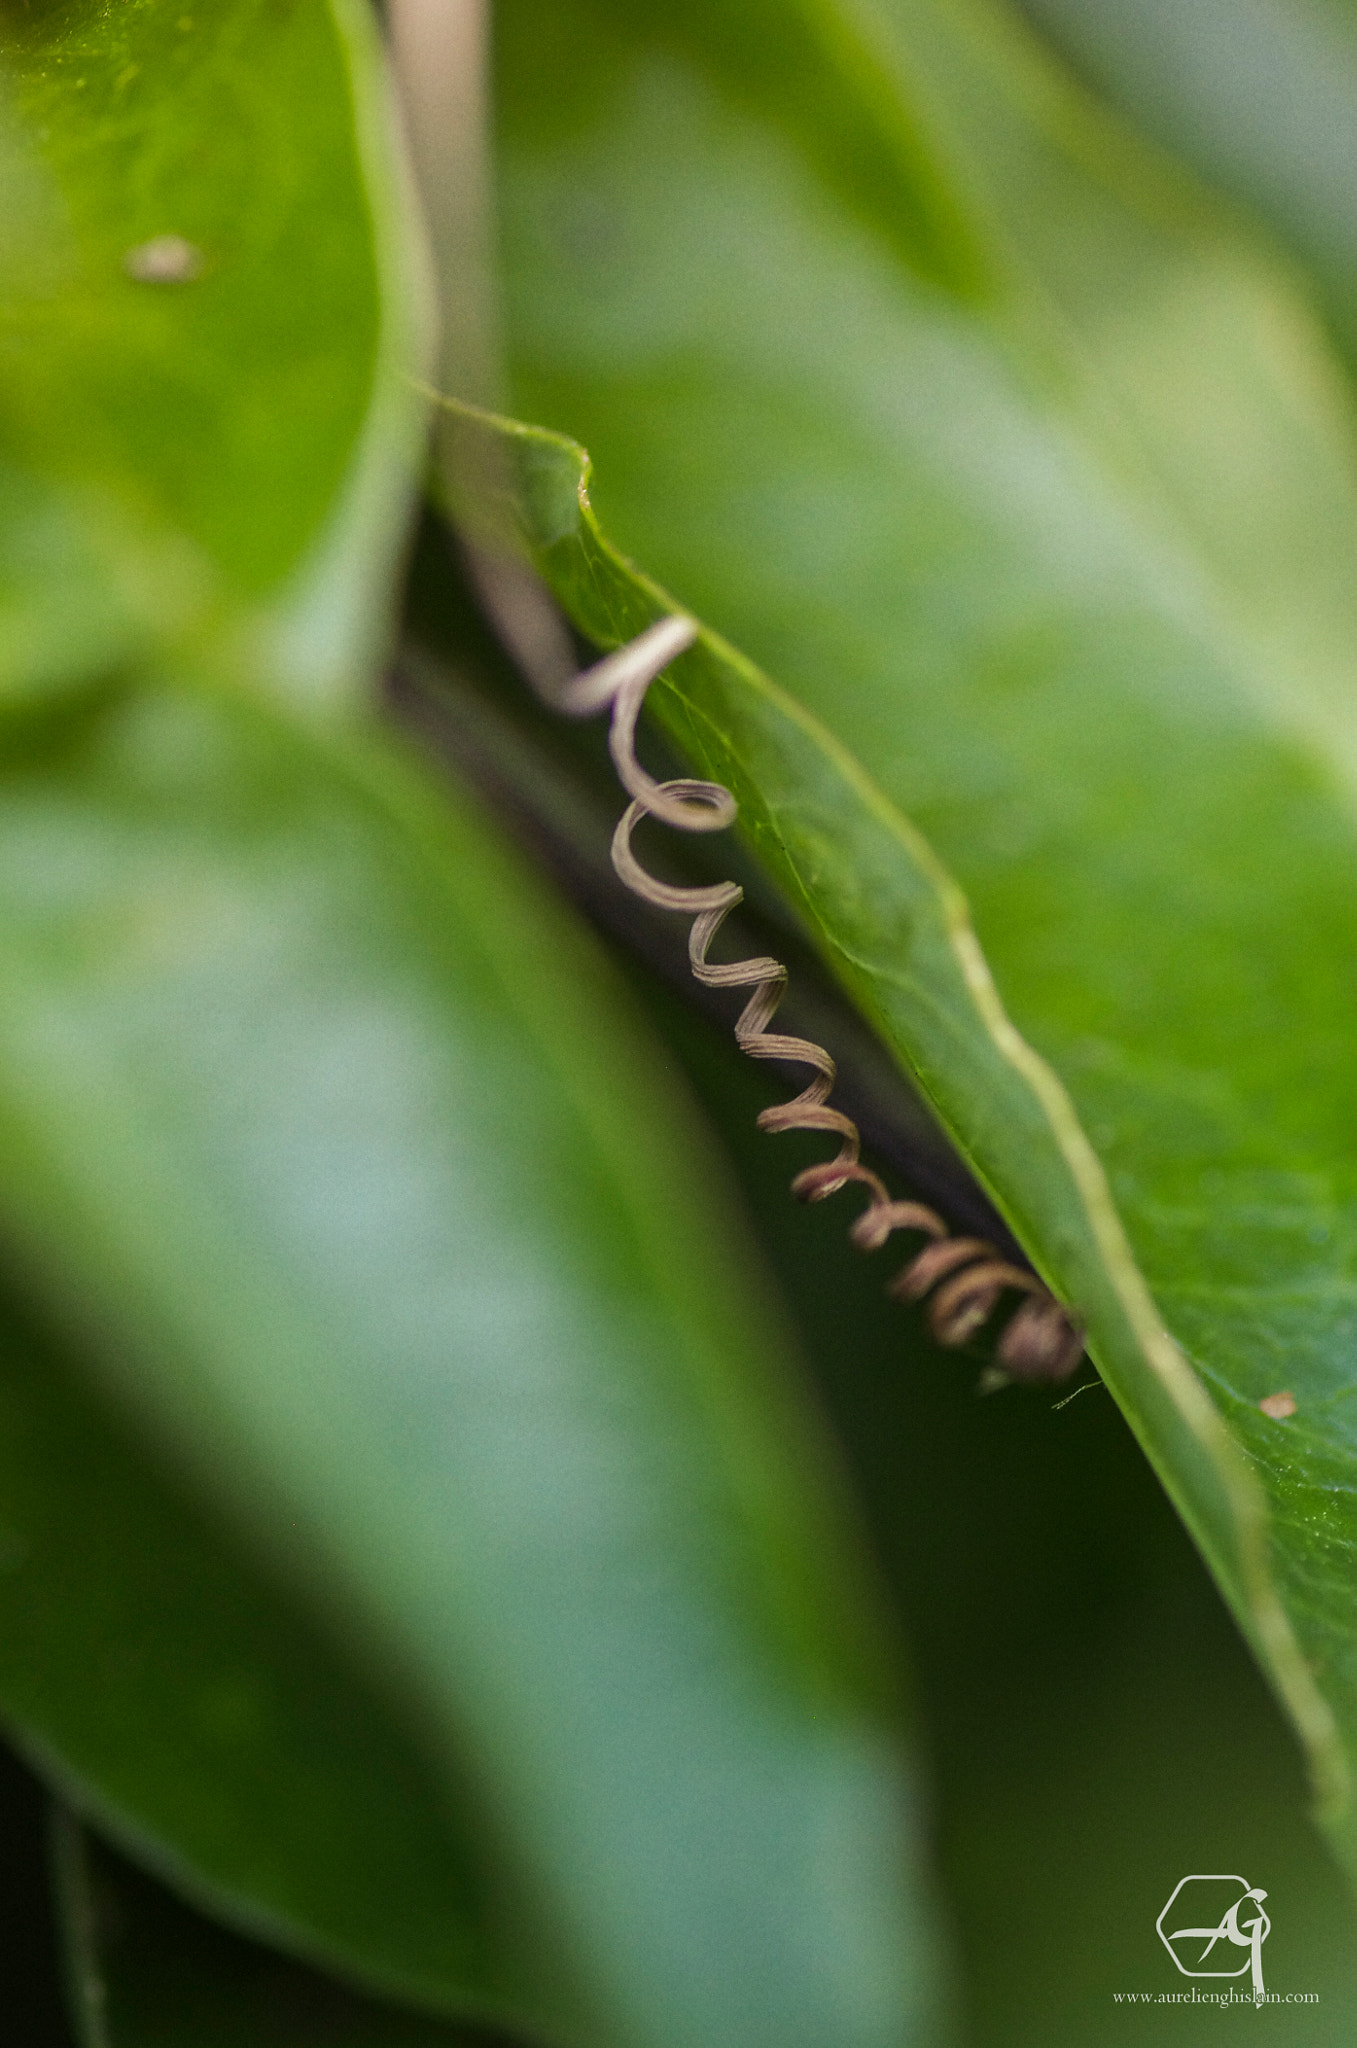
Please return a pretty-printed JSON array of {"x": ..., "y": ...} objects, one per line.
[{"x": 1226, "y": 1915}]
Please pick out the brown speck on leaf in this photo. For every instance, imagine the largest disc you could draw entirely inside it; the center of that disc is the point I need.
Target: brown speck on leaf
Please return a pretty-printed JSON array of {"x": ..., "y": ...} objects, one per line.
[
  {"x": 165, "y": 259},
  {"x": 1278, "y": 1406}
]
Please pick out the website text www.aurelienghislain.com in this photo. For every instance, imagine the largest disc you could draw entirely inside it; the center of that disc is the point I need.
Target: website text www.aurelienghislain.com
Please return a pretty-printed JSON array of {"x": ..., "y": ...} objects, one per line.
[{"x": 1231, "y": 1997}]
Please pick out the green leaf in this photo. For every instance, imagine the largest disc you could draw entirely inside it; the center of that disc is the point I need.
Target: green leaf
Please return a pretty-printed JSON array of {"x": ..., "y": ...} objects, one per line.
[
  {"x": 898, "y": 934},
  {"x": 145, "y": 1972},
  {"x": 209, "y": 313},
  {"x": 1082, "y": 1683},
  {"x": 1069, "y": 567},
  {"x": 203, "y": 1719},
  {"x": 332, "y": 1139},
  {"x": 1259, "y": 95}
]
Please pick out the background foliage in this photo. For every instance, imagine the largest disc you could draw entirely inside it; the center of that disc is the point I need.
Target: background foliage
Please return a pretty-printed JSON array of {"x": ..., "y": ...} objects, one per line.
[{"x": 476, "y": 1561}]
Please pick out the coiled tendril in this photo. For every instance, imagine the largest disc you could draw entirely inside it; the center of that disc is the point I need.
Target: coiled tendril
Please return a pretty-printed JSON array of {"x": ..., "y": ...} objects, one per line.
[{"x": 962, "y": 1279}]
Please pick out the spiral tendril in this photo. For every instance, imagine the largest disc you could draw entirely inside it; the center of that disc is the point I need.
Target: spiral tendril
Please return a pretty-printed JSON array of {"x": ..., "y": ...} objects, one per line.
[{"x": 961, "y": 1280}]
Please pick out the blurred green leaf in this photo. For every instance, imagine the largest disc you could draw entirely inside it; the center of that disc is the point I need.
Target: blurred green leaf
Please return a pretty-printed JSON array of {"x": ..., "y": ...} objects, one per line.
[
  {"x": 336, "y": 1157},
  {"x": 145, "y": 1972},
  {"x": 203, "y": 1718},
  {"x": 1069, "y": 566},
  {"x": 1259, "y": 95},
  {"x": 345, "y": 1161},
  {"x": 208, "y": 319}
]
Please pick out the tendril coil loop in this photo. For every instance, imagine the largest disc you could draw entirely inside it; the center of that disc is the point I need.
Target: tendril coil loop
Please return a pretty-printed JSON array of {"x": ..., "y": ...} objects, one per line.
[{"x": 962, "y": 1280}]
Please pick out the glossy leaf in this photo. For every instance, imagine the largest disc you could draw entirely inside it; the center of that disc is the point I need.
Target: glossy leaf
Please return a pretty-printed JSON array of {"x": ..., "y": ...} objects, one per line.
[
  {"x": 204, "y": 1719},
  {"x": 209, "y": 315},
  {"x": 363, "y": 1189},
  {"x": 1081, "y": 1683},
  {"x": 146, "y": 1972},
  {"x": 897, "y": 931},
  {"x": 1067, "y": 565}
]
